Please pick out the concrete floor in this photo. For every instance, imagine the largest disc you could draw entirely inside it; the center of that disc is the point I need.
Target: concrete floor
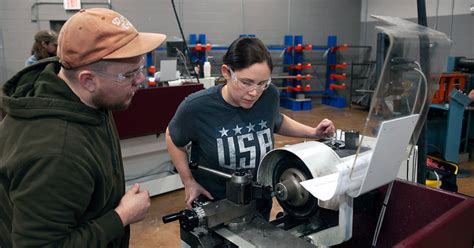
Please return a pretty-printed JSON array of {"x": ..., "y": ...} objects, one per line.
[{"x": 151, "y": 232}]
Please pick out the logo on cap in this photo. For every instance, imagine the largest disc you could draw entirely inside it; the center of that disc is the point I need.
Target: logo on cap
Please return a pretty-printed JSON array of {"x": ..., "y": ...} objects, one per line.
[{"x": 121, "y": 22}]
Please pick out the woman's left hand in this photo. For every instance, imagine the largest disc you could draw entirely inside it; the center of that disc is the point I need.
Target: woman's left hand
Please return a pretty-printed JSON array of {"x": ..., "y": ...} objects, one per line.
[{"x": 325, "y": 129}]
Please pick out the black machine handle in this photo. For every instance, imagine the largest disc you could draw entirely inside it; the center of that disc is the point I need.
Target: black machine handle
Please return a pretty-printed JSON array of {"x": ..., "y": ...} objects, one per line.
[
  {"x": 173, "y": 217},
  {"x": 188, "y": 219}
]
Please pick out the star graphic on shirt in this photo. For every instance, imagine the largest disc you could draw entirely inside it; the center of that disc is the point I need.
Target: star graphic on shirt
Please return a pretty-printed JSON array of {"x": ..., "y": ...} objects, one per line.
[
  {"x": 237, "y": 130},
  {"x": 263, "y": 124},
  {"x": 250, "y": 127},
  {"x": 223, "y": 132}
]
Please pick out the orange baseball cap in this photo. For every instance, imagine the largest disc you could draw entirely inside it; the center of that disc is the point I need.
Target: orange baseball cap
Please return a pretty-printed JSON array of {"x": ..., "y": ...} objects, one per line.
[{"x": 94, "y": 34}]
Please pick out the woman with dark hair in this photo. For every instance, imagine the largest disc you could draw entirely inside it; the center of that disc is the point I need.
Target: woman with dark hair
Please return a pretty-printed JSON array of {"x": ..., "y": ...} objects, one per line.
[
  {"x": 46, "y": 43},
  {"x": 231, "y": 126}
]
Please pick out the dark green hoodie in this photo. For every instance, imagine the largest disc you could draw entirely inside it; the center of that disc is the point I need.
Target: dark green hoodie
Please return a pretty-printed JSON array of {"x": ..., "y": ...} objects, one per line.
[{"x": 61, "y": 173}]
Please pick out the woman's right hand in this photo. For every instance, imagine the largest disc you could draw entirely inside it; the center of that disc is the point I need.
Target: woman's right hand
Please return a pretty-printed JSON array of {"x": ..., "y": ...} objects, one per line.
[{"x": 192, "y": 191}]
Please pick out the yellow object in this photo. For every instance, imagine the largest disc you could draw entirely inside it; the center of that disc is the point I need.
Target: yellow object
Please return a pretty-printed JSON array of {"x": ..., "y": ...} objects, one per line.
[{"x": 433, "y": 183}]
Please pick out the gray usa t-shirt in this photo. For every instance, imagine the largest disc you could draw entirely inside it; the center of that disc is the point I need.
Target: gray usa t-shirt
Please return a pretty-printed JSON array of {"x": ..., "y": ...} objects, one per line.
[{"x": 225, "y": 137}]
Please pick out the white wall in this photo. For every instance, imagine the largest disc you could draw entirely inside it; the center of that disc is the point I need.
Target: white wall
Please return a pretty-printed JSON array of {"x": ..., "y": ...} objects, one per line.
[
  {"x": 457, "y": 23},
  {"x": 408, "y": 9},
  {"x": 221, "y": 20}
]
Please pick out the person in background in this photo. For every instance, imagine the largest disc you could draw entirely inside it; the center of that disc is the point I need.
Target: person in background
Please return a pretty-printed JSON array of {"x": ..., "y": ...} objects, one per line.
[
  {"x": 231, "y": 126},
  {"x": 61, "y": 173},
  {"x": 45, "y": 46}
]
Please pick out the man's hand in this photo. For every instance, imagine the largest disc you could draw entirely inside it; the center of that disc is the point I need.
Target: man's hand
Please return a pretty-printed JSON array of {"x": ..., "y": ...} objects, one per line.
[
  {"x": 192, "y": 191},
  {"x": 134, "y": 205},
  {"x": 325, "y": 129}
]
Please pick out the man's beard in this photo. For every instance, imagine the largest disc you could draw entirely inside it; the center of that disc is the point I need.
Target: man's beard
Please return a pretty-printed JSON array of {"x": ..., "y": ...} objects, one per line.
[{"x": 99, "y": 102}]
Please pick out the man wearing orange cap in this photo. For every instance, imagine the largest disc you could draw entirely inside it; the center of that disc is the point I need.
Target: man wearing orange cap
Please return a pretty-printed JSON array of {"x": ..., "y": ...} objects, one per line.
[{"x": 61, "y": 174}]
